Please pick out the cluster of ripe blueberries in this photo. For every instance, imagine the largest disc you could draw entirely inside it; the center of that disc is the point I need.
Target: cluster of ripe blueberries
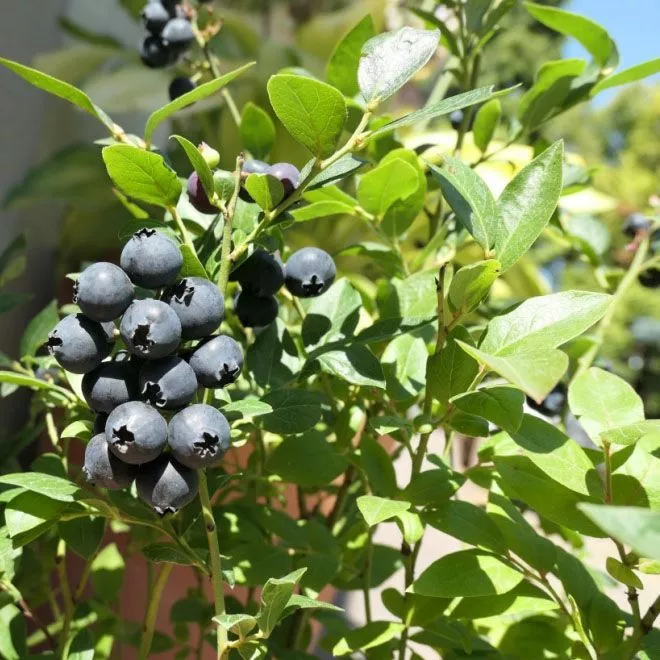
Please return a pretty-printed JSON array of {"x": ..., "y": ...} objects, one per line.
[
  {"x": 169, "y": 35},
  {"x": 170, "y": 350}
]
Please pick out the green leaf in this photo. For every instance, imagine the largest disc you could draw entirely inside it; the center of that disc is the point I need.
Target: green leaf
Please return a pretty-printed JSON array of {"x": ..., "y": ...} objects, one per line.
[
  {"x": 448, "y": 37},
  {"x": 29, "y": 514},
  {"x": 378, "y": 466},
  {"x": 143, "y": 175},
  {"x": 13, "y": 633},
  {"x": 372, "y": 635},
  {"x": 197, "y": 94},
  {"x": 257, "y": 130},
  {"x": 470, "y": 199},
  {"x": 247, "y": 408},
  {"x": 444, "y": 107},
  {"x": 503, "y": 406},
  {"x": 390, "y": 60},
  {"x": 355, "y": 364},
  {"x": 108, "y": 573},
  {"x": 273, "y": 359},
  {"x": 603, "y": 401},
  {"x": 632, "y": 74},
  {"x": 544, "y": 322},
  {"x": 404, "y": 366},
  {"x": 58, "y": 88},
  {"x": 467, "y": 573},
  {"x": 306, "y": 460},
  {"x": 12, "y": 259},
  {"x": 632, "y": 433},
  {"x": 192, "y": 266},
  {"x": 275, "y": 596},
  {"x": 313, "y": 112},
  {"x": 332, "y": 316},
  {"x": 36, "y": 334},
  {"x": 389, "y": 260},
  {"x": 622, "y": 573},
  {"x": 527, "y": 203},
  {"x": 470, "y": 524},
  {"x": 29, "y": 381},
  {"x": 639, "y": 528},
  {"x": 82, "y": 646},
  {"x": 393, "y": 327},
  {"x": 433, "y": 487},
  {"x": 55, "y": 488},
  {"x": 553, "y": 84},
  {"x": 199, "y": 164},
  {"x": 375, "y": 510},
  {"x": 305, "y": 603},
  {"x": 606, "y": 622},
  {"x": 471, "y": 284},
  {"x": 411, "y": 525},
  {"x": 485, "y": 123},
  {"x": 265, "y": 189},
  {"x": 294, "y": 411},
  {"x": 452, "y": 370},
  {"x": 417, "y": 295},
  {"x": 239, "y": 624},
  {"x": 79, "y": 429},
  {"x": 342, "y": 67},
  {"x": 535, "y": 371},
  {"x": 591, "y": 35},
  {"x": 385, "y": 185},
  {"x": 339, "y": 170},
  {"x": 83, "y": 535},
  {"x": 166, "y": 553},
  {"x": 637, "y": 481}
]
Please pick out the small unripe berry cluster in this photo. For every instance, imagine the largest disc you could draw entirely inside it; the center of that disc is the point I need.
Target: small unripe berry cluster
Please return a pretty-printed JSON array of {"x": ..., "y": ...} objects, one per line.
[
  {"x": 170, "y": 33},
  {"x": 132, "y": 392}
]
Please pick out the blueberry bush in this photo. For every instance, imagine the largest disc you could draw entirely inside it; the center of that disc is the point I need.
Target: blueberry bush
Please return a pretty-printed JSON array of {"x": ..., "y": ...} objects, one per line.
[{"x": 276, "y": 343}]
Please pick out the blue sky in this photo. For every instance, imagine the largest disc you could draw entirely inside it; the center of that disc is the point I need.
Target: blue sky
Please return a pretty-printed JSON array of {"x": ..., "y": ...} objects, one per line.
[{"x": 633, "y": 24}]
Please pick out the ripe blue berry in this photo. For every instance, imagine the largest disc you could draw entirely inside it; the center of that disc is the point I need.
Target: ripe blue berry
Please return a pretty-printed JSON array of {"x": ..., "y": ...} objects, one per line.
[
  {"x": 166, "y": 485},
  {"x": 636, "y": 223},
  {"x": 136, "y": 432},
  {"x": 262, "y": 273},
  {"x": 199, "y": 305},
  {"x": 102, "y": 468},
  {"x": 79, "y": 344},
  {"x": 309, "y": 272},
  {"x": 650, "y": 278},
  {"x": 178, "y": 34},
  {"x": 288, "y": 174},
  {"x": 155, "y": 17},
  {"x": 99, "y": 424},
  {"x": 180, "y": 86},
  {"x": 151, "y": 259},
  {"x": 199, "y": 436},
  {"x": 150, "y": 329},
  {"x": 110, "y": 385},
  {"x": 217, "y": 362},
  {"x": 168, "y": 383},
  {"x": 255, "y": 312},
  {"x": 155, "y": 54},
  {"x": 198, "y": 197},
  {"x": 103, "y": 291}
]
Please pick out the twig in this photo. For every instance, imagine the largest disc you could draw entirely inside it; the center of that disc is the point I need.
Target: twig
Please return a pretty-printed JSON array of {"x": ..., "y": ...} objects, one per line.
[
  {"x": 225, "y": 258},
  {"x": 152, "y": 611}
]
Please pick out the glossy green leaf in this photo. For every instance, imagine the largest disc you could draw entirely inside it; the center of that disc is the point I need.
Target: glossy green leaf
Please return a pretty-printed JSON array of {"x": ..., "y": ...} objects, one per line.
[
  {"x": 274, "y": 597},
  {"x": 305, "y": 603},
  {"x": 471, "y": 284},
  {"x": 13, "y": 633},
  {"x": 321, "y": 210},
  {"x": 544, "y": 322},
  {"x": 385, "y": 185},
  {"x": 166, "y": 553},
  {"x": 241, "y": 624},
  {"x": 273, "y": 359},
  {"x": 470, "y": 199},
  {"x": 108, "y": 572},
  {"x": 632, "y": 74},
  {"x": 307, "y": 460},
  {"x": 433, "y": 487},
  {"x": 55, "y": 488},
  {"x": 486, "y": 122},
  {"x": 503, "y": 406},
  {"x": 265, "y": 189},
  {"x": 381, "y": 254},
  {"x": 371, "y": 636},
  {"x": 622, "y": 573},
  {"x": 527, "y": 203},
  {"x": 12, "y": 258},
  {"x": 376, "y": 510},
  {"x": 203, "y": 91},
  {"x": 58, "y": 88},
  {"x": 404, "y": 366},
  {"x": 591, "y": 35},
  {"x": 257, "y": 130},
  {"x": 354, "y": 364},
  {"x": 392, "y": 327},
  {"x": 192, "y": 266},
  {"x": 29, "y": 514},
  {"x": 636, "y": 482},
  {"x": 199, "y": 164},
  {"x": 36, "y": 333},
  {"x": 142, "y": 175},
  {"x": 342, "y": 67},
  {"x": 294, "y": 411},
  {"x": 338, "y": 171},
  {"x": 82, "y": 646},
  {"x": 378, "y": 466},
  {"x": 247, "y": 408},
  {"x": 631, "y": 433},
  {"x": 634, "y": 526},
  {"x": 83, "y": 535},
  {"x": 467, "y": 573},
  {"x": 313, "y": 112},
  {"x": 388, "y": 61}
]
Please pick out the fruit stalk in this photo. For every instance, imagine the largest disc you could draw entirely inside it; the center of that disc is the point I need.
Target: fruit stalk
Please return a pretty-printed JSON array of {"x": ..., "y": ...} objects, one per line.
[{"x": 152, "y": 610}]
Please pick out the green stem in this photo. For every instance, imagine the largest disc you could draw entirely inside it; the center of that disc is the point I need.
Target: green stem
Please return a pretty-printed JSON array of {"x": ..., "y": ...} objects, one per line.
[
  {"x": 185, "y": 235},
  {"x": 471, "y": 76},
  {"x": 225, "y": 260},
  {"x": 366, "y": 583},
  {"x": 152, "y": 611},
  {"x": 631, "y": 275},
  {"x": 67, "y": 599},
  {"x": 216, "y": 565}
]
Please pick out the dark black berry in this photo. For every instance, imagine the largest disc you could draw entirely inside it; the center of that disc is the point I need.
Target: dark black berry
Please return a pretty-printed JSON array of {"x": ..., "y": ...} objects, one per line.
[
  {"x": 180, "y": 86},
  {"x": 199, "y": 305},
  {"x": 198, "y": 197},
  {"x": 110, "y": 385},
  {"x": 79, "y": 344},
  {"x": 217, "y": 362},
  {"x": 166, "y": 485},
  {"x": 635, "y": 223},
  {"x": 169, "y": 383},
  {"x": 150, "y": 329},
  {"x": 155, "y": 17},
  {"x": 103, "y": 291},
  {"x": 178, "y": 34},
  {"x": 151, "y": 259},
  {"x": 309, "y": 272},
  {"x": 650, "y": 278},
  {"x": 102, "y": 468},
  {"x": 262, "y": 273},
  {"x": 255, "y": 312},
  {"x": 155, "y": 54},
  {"x": 553, "y": 404}
]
